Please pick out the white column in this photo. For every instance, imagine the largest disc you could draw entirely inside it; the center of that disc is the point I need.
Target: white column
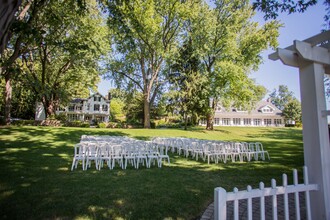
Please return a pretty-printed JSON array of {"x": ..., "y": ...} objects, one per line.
[{"x": 316, "y": 136}]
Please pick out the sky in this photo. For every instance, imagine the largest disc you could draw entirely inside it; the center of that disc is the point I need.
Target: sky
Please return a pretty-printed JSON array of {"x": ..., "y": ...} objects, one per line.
[{"x": 271, "y": 74}]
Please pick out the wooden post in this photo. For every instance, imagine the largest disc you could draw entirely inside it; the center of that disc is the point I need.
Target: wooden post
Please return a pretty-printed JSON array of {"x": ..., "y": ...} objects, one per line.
[
  {"x": 312, "y": 57},
  {"x": 220, "y": 204},
  {"x": 316, "y": 136}
]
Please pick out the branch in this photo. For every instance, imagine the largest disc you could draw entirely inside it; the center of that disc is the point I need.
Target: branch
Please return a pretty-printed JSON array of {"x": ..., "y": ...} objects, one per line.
[{"x": 130, "y": 78}]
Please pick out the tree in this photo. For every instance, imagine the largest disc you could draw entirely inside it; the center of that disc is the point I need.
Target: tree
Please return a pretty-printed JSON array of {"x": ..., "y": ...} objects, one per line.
[
  {"x": 229, "y": 44},
  {"x": 292, "y": 111},
  {"x": 63, "y": 60},
  {"x": 145, "y": 34},
  {"x": 7, "y": 12},
  {"x": 117, "y": 109},
  {"x": 20, "y": 30},
  {"x": 271, "y": 8},
  {"x": 187, "y": 90},
  {"x": 281, "y": 97},
  {"x": 134, "y": 108},
  {"x": 16, "y": 38}
]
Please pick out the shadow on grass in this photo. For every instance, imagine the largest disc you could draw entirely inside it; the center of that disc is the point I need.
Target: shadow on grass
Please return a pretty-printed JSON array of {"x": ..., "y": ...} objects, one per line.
[{"x": 37, "y": 182}]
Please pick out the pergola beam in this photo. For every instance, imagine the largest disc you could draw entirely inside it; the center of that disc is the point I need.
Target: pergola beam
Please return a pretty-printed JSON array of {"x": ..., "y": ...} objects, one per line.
[{"x": 312, "y": 53}]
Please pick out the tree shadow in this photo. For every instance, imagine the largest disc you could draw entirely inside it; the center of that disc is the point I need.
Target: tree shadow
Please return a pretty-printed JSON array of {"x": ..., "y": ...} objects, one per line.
[{"x": 37, "y": 182}]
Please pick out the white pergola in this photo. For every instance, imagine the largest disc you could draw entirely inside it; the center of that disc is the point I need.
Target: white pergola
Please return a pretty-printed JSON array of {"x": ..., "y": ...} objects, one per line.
[{"x": 312, "y": 57}]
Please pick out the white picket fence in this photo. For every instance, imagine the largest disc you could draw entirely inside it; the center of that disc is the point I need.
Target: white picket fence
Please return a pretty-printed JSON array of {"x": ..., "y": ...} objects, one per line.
[{"x": 221, "y": 197}]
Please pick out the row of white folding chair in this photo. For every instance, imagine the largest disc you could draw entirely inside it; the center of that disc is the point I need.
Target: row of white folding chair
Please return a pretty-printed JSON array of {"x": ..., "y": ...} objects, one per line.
[
  {"x": 136, "y": 153},
  {"x": 234, "y": 151}
]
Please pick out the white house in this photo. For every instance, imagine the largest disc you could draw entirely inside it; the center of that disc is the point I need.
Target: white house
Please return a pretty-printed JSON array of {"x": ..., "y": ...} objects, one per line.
[
  {"x": 264, "y": 114},
  {"x": 94, "y": 108}
]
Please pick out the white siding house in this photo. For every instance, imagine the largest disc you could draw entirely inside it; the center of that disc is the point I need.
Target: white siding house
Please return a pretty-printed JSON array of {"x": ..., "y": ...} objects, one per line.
[
  {"x": 94, "y": 108},
  {"x": 265, "y": 114}
]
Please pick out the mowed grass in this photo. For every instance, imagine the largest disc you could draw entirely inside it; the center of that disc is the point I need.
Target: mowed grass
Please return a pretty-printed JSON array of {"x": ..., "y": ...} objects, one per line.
[{"x": 36, "y": 181}]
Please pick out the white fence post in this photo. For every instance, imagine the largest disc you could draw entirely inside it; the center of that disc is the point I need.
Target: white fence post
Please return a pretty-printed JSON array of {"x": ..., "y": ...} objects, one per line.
[
  {"x": 220, "y": 204},
  {"x": 262, "y": 201},
  {"x": 221, "y": 197},
  {"x": 286, "y": 199},
  {"x": 296, "y": 194}
]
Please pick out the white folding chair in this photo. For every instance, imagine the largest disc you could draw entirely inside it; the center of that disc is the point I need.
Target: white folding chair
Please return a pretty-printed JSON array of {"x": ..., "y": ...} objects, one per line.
[{"x": 79, "y": 155}]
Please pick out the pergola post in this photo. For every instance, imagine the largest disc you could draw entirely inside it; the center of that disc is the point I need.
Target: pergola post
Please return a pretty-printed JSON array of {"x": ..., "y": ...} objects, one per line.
[
  {"x": 316, "y": 136},
  {"x": 312, "y": 57}
]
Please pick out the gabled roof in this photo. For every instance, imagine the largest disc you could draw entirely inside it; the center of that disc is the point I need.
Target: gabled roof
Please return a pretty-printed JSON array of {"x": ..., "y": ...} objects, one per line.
[
  {"x": 78, "y": 100},
  {"x": 257, "y": 110},
  {"x": 98, "y": 94}
]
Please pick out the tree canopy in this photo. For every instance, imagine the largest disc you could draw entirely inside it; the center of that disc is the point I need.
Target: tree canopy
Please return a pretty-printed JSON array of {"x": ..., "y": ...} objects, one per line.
[{"x": 281, "y": 97}]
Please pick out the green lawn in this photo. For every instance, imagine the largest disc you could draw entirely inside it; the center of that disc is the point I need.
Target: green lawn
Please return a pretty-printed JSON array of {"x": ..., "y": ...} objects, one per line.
[{"x": 36, "y": 181}]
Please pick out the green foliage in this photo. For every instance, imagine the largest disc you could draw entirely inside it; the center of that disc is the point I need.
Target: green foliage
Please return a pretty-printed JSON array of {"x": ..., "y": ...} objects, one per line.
[
  {"x": 23, "y": 122},
  {"x": 117, "y": 109},
  {"x": 188, "y": 85},
  {"x": 271, "y": 8},
  {"x": 281, "y": 97},
  {"x": 229, "y": 43},
  {"x": 85, "y": 125},
  {"x": 76, "y": 123},
  {"x": 61, "y": 117},
  {"x": 134, "y": 109},
  {"x": 292, "y": 112},
  {"x": 63, "y": 58},
  {"x": 102, "y": 125},
  {"x": 118, "y": 94},
  {"x": 23, "y": 99},
  {"x": 146, "y": 33}
]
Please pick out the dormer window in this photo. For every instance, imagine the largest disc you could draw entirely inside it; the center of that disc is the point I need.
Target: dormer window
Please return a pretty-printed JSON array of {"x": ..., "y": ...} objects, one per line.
[
  {"x": 267, "y": 109},
  {"x": 97, "y": 99}
]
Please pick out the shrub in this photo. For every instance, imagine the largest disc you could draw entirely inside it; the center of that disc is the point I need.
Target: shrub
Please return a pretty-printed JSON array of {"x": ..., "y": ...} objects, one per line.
[
  {"x": 23, "y": 122},
  {"x": 73, "y": 123},
  {"x": 85, "y": 125},
  {"x": 102, "y": 125},
  {"x": 61, "y": 117}
]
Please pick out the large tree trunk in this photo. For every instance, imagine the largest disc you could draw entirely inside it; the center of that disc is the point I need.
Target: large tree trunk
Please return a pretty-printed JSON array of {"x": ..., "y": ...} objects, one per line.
[
  {"x": 7, "y": 14},
  {"x": 49, "y": 106},
  {"x": 209, "y": 121},
  {"x": 185, "y": 121},
  {"x": 8, "y": 96},
  {"x": 210, "y": 116},
  {"x": 146, "y": 110}
]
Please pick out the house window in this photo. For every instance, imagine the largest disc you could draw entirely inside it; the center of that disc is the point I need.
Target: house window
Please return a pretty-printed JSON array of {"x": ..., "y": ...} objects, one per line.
[
  {"x": 267, "y": 122},
  {"x": 216, "y": 121},
  {"x": 88, "y": 107},
  {"x": 267, "y": 110},
  {"x": 96, "y": 107},
  {"x": 247, "y": 121},
  {"x": 71, "y": 108},
  {"x": 257, "y": 121},
  {"x": 226, "y": 121},
  {"x": 105, "y": 108},
  {"x": 79, "y": 108},
  {"x": 218, "y": 109},
  {"x": 237, "y": 121},
  {"x": 203, "y": 121},
  {"x": 277, "y": 122},
  {"x": 97, "y": 99},
  {"x": 73, "y": 117}
]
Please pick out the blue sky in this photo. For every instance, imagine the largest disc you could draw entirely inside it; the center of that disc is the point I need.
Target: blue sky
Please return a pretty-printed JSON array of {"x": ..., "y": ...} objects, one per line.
[
  {"x": 298, "y": 26},
  {"x": 271, "y": 74}
]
